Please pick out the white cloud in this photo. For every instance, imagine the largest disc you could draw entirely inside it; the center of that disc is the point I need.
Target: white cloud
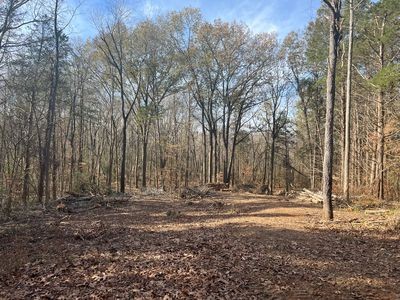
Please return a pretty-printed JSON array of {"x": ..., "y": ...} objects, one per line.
[
  {"x": 257, "y": 15},
  {"x": 150, "y": 9},
  {"x": 261, "y": 24}
]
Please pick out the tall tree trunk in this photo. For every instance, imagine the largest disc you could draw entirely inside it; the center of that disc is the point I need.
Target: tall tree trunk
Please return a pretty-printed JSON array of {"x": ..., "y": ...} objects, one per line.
[
  {"x": 287, "y": 165},
  {"x": 346, "y": 169},
  {"x": 188, "y": 129},
  {"x": 272, "y": 163},
  {"x": 211, "y": 156},
  {"x": 216, "y": 158},
  {"x": 380, "y": 129},
  {"x": 144, "y": 157},
  {"x": 124, "y": 129},
  {"x": 313, "y": 165},
  {"x": 264, "y": 181},
  {"x": 204, "y": 140},
  {"x": 334, "y": 6},
  {"x": 44, "y": 168},
  {"x": 25, "y": 188},
  {"x": 55, "y": 165},
  {"x": 137, "y": 161},
  {"x": 381, "y": 147},
  {"x": 81, "y": 125},
  {"x": 111, "y": 152},
  {"x": 72, "y": 142},
  {"x": 123, "y": 156}
]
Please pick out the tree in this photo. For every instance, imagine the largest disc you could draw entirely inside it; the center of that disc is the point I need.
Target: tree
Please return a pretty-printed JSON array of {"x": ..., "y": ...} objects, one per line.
[
  {"x": 277, "y": 94},
  {"x": 348, "y": 106},
  {"x": 156, "y": 69},
  {"x": 334, "y": 37},
  {"x": 113, "y": 44},
  {"x": 294, "y": 47},
  {"x": 44, "y": 184},
  {"x": 13, "y": 18}
]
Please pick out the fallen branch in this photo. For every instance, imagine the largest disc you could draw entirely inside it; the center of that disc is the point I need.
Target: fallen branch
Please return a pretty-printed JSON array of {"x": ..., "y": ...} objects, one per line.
[{"x": 314, "y": 197}]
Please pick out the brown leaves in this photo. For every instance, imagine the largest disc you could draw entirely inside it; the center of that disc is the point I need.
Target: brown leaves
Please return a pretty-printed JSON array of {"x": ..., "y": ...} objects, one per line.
[{"x": 139, "y": 252}]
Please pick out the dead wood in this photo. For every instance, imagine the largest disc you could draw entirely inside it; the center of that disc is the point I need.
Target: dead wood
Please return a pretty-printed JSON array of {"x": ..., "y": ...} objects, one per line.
[
  {"x": 196, "y": 192},
  {"x": 217, "y": 186}
]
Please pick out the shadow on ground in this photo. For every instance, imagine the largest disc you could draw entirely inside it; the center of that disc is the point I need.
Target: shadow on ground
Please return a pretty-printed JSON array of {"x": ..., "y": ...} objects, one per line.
[{"x": 244, "y": 247}]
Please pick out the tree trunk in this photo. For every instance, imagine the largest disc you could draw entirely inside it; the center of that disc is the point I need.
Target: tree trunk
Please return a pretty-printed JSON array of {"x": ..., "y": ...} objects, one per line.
[
  {"x": 189, "y": 127},
  {"x": 211, "y": 156},
  {"x": 381, "y": 126},
  {"x": 334, "y": 6},
  {"x": 204, "y": 135},
  {"x": 44, "y": 168},
  {"x": 381, "y": 147},
  {"x": 346, "y": 169},
  {"x": 144, "y": 158},
  {"x": 25, "y": 189},
  {"x": 137, "y": 162},
  {"x": 272, "y": 163},
  {"x": 123, "y": 156},
  {"x": 55, "y": 165}
]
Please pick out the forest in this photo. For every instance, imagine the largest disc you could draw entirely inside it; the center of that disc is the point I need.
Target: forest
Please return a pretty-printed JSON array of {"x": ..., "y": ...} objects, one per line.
[{"x": 177, "y": 157}]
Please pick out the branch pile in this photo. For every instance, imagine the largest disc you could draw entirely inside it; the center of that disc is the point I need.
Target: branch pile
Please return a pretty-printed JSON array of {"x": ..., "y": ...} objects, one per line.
[
  {"x": 218, "y": 186},
  {"x": 314, "y": 197},
  {"x": 196, "y": 192},
  {"x": 75, "y": 202}
]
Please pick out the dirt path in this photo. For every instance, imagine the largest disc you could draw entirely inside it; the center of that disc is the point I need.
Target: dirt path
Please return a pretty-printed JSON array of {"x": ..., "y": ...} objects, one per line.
[{"x": 228, "y": 247}]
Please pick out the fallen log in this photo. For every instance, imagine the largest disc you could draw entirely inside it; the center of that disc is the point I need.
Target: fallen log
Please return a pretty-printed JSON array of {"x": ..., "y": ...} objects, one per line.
[
  {"x": 217, "y": 186},
  {"x": 376, "y": 211},
  {"x": 308, "y": 195},
  {"x": 77, "y": 195},
  {"x": 314, "y": 197},
  {"x": 196, "y": 192}
]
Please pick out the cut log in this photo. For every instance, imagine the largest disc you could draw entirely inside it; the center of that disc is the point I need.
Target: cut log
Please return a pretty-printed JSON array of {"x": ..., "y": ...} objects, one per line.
[
  {"x": 314, "y": 197},
  {"x": 376, "y": 211},
  {"x": 310, "y": 196},
  {"x": 196, "y": 192}
]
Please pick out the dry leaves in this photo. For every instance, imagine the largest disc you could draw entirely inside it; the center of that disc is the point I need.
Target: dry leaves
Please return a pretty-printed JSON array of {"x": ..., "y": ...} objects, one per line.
[{"x": 266, "y": 250}]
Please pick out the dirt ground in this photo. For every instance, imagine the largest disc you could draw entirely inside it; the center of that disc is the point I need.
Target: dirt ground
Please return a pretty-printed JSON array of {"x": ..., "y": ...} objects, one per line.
[{"x": 230, "y": 246}]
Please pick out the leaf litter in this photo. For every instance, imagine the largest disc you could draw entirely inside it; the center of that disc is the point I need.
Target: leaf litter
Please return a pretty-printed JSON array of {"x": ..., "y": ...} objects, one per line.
[{"x": 232, "y": 246}]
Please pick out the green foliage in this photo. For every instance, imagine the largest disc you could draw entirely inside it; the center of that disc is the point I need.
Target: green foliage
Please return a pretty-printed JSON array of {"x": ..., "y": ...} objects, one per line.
[
  {"x": 387, "y": 78},
  {"x": 317, "y": 35}
]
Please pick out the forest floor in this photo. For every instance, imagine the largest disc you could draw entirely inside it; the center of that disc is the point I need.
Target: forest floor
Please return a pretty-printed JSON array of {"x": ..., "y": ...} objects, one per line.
[{"x": 229, "y": 246}]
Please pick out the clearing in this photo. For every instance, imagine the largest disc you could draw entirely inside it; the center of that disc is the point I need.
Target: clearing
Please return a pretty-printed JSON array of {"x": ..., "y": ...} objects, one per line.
[{"x": 229, "y": 246}]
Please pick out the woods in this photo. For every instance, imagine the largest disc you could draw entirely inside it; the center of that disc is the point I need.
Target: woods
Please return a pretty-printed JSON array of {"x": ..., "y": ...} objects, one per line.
[
  {"x": 169, "y": 154},
  {"x": 176, "y": 101},
  {"x": 119, "y": 111}
]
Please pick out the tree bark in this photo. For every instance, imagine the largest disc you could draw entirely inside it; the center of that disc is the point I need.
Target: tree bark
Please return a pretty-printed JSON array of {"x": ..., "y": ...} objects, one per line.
[
  {"x": 381, "y": 126},
  {"x": 334, "y": 6},
  {"x": 204, "y": 139},
  {"x": 25, "y": 188},
  {"x": 44, "y": 168},
  {"x": 346, "y": 169}
]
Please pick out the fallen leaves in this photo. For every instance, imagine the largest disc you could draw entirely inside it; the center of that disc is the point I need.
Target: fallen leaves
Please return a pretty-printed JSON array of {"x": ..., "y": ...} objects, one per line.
[{"x": 264, "y": 251}]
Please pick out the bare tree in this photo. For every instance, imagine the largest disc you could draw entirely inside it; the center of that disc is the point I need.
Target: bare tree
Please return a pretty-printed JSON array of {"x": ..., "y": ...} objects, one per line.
[
  {"x": 113, "y": 38},
  {"x": 43, "y": 185},
  {"x": 346, "y": 170}
]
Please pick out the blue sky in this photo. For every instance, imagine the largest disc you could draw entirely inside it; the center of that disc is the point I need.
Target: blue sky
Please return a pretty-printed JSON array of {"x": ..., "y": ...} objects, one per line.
[{"x": 281, "y": 16}]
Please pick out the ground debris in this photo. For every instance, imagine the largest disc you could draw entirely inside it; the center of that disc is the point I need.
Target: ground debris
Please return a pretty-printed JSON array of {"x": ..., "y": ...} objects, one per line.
[
  {"x": 196, "y": 192},
  {"x": 307, "y": 195},
  {"x": 155, "y": 248},
  {"x": 74, "y": 203}
]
